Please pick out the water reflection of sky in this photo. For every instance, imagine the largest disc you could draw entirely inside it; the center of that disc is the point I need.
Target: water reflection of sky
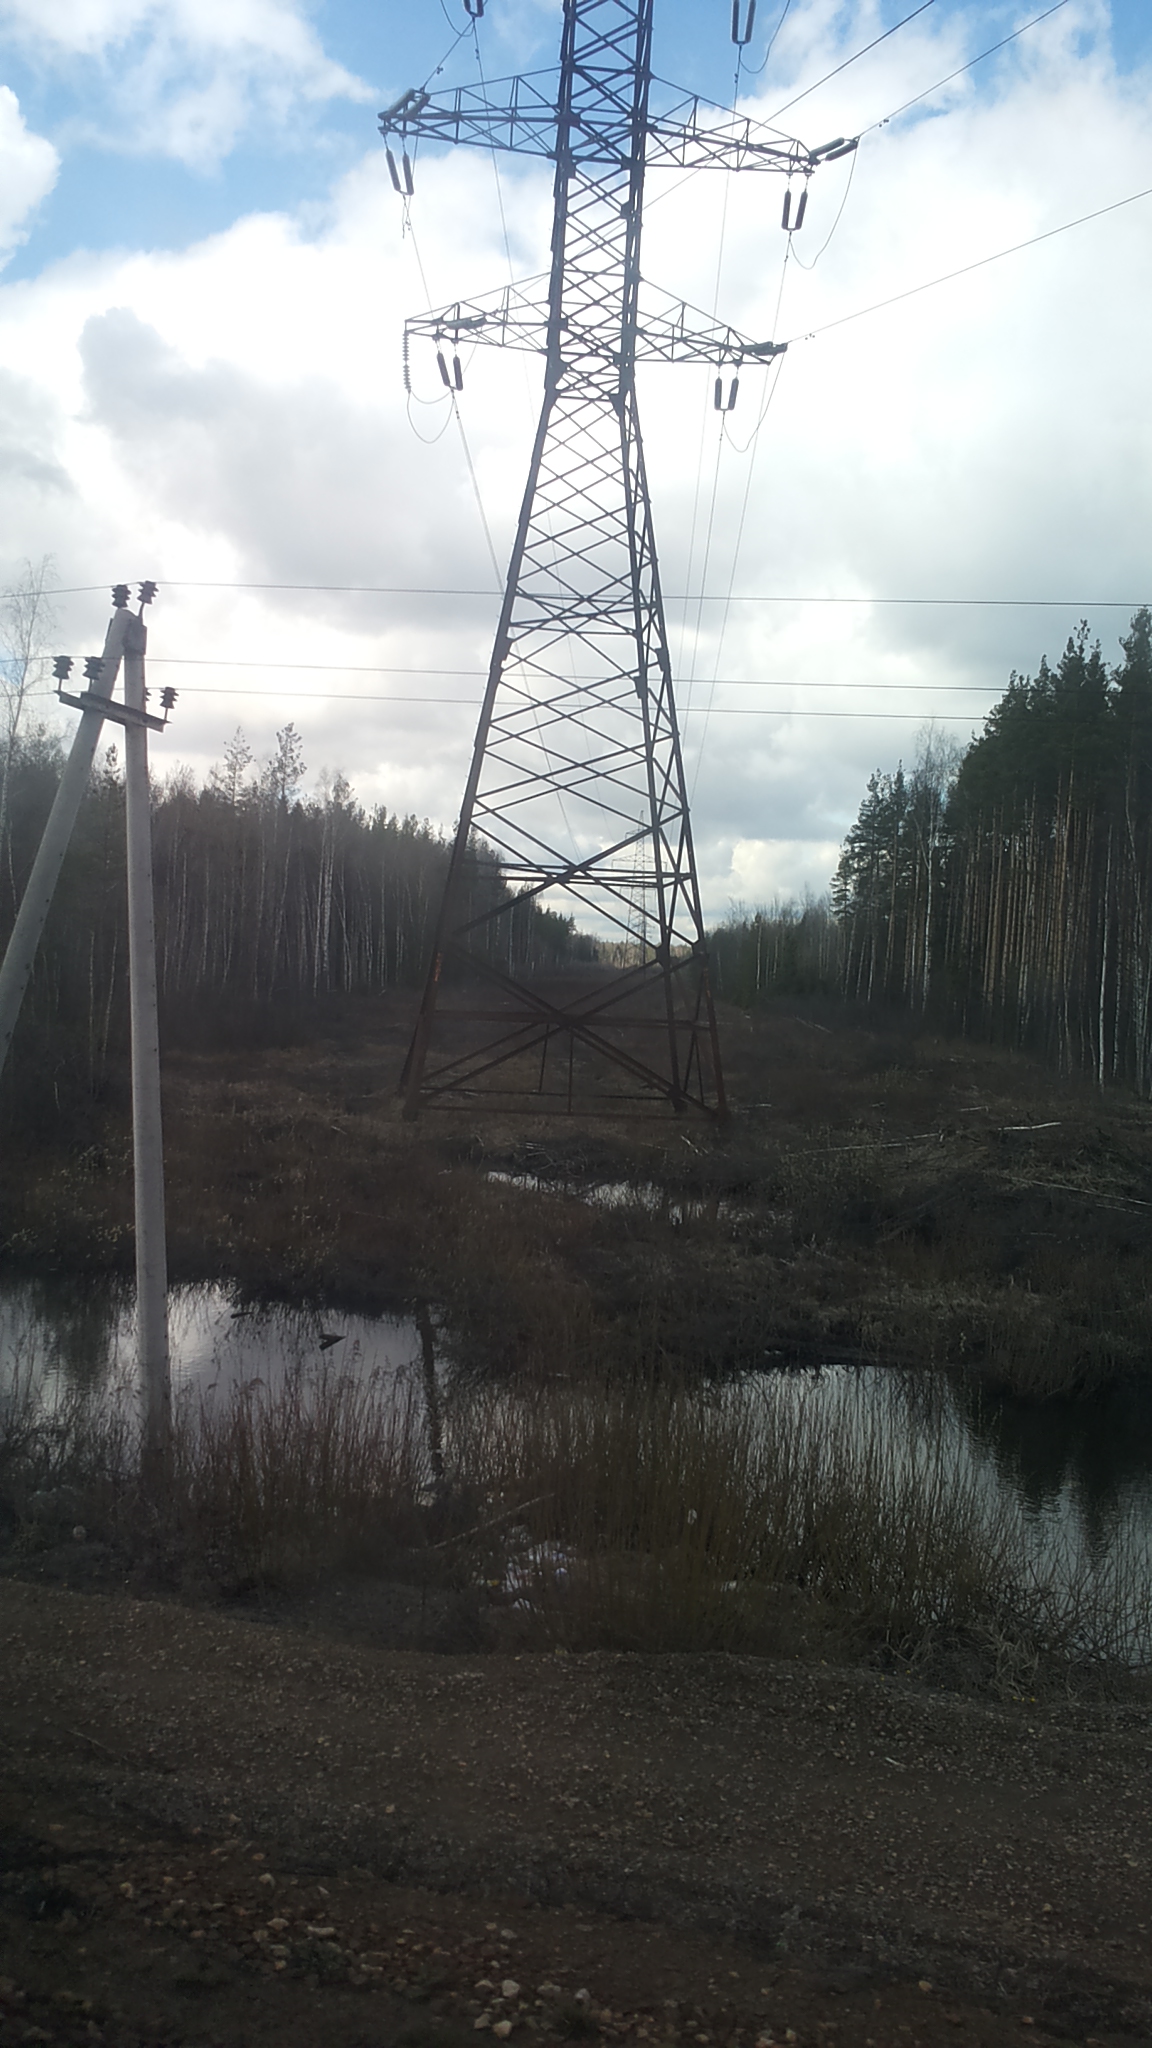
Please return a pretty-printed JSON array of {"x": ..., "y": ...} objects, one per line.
[
  {"x": 80, "y": 1337},
  {"x": 1078, "y": 1473}
]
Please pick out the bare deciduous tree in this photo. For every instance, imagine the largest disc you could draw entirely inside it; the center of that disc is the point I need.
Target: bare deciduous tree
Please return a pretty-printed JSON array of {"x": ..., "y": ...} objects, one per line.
[{"x": 27, "y": 619}]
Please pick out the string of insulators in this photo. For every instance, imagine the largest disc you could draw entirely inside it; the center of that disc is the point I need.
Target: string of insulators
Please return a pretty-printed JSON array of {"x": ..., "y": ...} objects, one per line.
[
  {"x": 404, "y": 186},
  {"x": 455, "y": 382},
  {"x": 733, "y": 394},
  {"x": 739, "y": 40},
  {"x": 787, "y": 223},
  {"x": 406, "y": 365},
  {"x": 475, "y": 8}
]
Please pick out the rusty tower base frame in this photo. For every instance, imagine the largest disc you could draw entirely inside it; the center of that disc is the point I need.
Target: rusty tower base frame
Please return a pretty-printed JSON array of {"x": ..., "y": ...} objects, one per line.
[{"x": 576, "y": 797}]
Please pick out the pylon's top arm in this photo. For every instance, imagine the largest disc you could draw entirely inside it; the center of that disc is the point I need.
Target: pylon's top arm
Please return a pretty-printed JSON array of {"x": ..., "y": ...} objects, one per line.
[
  {"x": 668, "y": 330},
  {"x": 523, "y": 120}
]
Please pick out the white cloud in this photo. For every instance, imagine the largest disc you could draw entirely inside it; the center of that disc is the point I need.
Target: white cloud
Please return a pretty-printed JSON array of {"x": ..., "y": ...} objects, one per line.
[
  {"x": 28, "y": 170},
  {"x": 180, "y": 78},
  {"x": 233, "y": 414}
]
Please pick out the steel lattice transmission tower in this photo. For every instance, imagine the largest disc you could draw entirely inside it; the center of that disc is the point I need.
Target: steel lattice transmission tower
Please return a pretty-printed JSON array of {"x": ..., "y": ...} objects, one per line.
[{"x": 577, "y": 781}]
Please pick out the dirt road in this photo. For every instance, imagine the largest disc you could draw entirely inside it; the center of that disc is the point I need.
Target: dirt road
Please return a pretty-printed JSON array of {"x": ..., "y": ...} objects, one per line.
[{"x": 218, "y": 1830}]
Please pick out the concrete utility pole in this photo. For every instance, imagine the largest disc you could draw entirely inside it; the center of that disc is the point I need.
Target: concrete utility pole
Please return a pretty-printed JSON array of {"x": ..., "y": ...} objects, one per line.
[
  {"x": 16, "y": 971},
  {"x": 126, "y": 640},
  {"x": 147, "y": 1130}
]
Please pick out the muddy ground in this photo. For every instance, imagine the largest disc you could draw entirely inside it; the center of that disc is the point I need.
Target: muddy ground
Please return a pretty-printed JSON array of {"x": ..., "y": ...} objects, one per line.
[{"x": 225, "y": 1829}]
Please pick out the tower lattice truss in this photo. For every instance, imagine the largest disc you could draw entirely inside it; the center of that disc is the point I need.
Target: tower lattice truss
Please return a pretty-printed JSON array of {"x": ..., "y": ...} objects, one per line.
[{"x": 576, "y": 798}]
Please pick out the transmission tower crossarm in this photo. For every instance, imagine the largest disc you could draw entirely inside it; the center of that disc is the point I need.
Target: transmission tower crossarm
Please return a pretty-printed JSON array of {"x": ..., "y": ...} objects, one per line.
[
  {"x": 525, "y": 122},
  {"x": 668, "y": 330},
  {"x": 687, "y": 138}
]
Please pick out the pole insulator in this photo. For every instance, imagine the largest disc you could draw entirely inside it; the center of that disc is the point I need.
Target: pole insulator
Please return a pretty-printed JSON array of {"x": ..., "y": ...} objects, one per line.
[
  {"x": 93, "y": 663},
  {"x": 742, "y": 40},
  {"x": 147, "y": 593},
  {"x": 409, "y": 187},
  {"x": 62, "y": 667},
  {"x": 442, "y": 366},
  {"x": 120, "y": 595},
  {"x": 393, "y": 170},
  {"x": 802, "y": 209},
  {"x": 457, "y": 374},
  {"x": 786, "y": 216}
]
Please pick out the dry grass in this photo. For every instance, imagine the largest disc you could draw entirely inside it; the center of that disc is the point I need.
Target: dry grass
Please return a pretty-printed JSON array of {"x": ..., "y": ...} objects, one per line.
[
  {"x": 587, "y": 1516},
  {"x": 869, "y": 1200}
]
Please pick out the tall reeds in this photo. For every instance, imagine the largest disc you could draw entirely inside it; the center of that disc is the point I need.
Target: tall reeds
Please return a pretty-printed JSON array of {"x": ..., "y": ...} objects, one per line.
[{"x": 626, "y": 1517}]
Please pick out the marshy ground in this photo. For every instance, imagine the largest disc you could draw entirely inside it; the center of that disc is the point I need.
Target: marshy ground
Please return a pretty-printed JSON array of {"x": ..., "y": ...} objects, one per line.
[
  {"x": 908, "y": 1820},
  {"x": 879, "y": 1193}
]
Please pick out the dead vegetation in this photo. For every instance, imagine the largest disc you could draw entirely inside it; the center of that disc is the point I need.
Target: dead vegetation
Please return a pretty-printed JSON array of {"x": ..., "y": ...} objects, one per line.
[{"x": 880, "y": 1194}]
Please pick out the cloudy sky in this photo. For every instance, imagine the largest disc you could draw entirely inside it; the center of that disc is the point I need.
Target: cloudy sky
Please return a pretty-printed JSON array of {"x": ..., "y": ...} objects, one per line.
[{"x": 205, "y": 277}]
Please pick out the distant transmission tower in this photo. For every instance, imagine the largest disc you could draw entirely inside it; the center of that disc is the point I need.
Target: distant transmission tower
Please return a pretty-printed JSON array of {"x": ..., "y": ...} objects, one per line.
[{"x": 577, "y": 785}]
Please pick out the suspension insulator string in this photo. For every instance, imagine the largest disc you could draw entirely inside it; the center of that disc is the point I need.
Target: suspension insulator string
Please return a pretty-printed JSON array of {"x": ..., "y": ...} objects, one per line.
[
  {"x": 393, "y": 169},
  {"x": 802, "y": 209},
  {"x": 442, "y": 366},
  {"x": 787, "y": 213},
  {"x": 741, "y": 41}
]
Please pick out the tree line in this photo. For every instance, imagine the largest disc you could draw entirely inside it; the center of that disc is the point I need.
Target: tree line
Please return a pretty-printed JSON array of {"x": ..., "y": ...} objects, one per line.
[
  {"x": 1008, "y": 888},
  {"x": 265, "y": 897}
]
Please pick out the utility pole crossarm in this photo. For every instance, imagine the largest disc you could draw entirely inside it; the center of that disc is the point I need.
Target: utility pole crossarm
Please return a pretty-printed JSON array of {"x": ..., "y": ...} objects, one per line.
[{"x": 668, "y": 330}]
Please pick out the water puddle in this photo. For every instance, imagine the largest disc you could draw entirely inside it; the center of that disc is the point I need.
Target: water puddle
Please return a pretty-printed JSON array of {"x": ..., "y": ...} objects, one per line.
[
  {"x": 81, "y": 1338},
  {"x": 623, "y": 1194},
  {"x": 1076, "y": 1474}
]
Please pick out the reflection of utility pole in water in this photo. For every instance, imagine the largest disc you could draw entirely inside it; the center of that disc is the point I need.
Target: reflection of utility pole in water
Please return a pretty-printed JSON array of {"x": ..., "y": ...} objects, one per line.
[
  {"x": 125, "y": 640},
  {"x": 433, "y": 1409}
]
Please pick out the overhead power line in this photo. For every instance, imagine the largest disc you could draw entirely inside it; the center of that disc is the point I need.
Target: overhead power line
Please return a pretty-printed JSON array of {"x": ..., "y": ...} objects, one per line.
[
  {"x": 344, "y": 668},
  {"x": 962, "y": 68},
  {"x": 716, "y": 711},
  {"x": 1092, "y": 604},
  {"x": 966, "y": 268},
  {"x": 876, "y": 41}
]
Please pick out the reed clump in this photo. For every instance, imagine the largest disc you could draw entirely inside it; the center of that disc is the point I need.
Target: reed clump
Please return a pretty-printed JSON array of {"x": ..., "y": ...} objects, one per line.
[{"x": 591, "y": 1516}]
